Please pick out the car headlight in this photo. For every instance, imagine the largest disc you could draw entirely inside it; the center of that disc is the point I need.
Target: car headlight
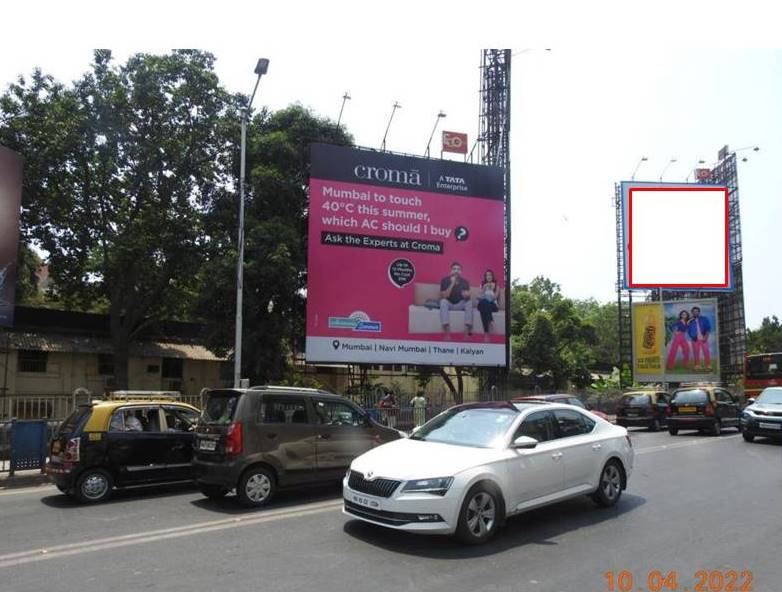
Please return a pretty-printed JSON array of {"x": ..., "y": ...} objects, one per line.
[{"x": 435, "y": 486}]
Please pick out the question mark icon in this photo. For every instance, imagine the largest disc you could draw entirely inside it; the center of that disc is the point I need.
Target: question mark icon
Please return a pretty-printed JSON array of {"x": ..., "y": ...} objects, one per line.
[{"x": 461, "y": 233}]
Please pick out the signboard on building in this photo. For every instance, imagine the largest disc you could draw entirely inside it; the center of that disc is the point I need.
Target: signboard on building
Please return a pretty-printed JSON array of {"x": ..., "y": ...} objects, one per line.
[
  {"x": 405, "y": 260},
  {"x": 676, "y": 341},
  {"x": 454, "y": 142},
  {"x": 10, "y": 200}
]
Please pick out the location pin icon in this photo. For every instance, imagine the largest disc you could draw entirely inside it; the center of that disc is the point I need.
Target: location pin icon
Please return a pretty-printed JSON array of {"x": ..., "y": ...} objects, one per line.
[{"x": 335, "y": 344}]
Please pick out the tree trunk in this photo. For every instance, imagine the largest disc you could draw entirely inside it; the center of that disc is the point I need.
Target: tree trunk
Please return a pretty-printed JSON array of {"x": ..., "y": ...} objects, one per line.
[
  {"x": 460, "y": 383},
  {"x": 456, "y": 394},
  {"x": 120, "y": 341}
]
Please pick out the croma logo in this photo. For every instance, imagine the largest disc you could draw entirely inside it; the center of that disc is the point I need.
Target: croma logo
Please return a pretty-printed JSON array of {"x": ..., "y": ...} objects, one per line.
[
  {"x": 371, "y": 173},
  {"x": 455, "y": 180}
]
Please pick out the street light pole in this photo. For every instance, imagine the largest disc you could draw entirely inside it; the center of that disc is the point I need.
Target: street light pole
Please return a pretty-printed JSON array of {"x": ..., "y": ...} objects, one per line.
[
  {"x": 260, "y": 69},
  {"x": 390, "y": 119},
  {"x": 638, "y": 166},
  {"x": 345, "y": 97},
  {"x": 670, "y": 162},
  {"x": 440, "y": 115}
]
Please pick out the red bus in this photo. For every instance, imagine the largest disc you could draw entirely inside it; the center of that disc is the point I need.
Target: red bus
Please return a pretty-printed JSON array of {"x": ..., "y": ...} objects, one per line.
[{"x": 760, "y": 371}]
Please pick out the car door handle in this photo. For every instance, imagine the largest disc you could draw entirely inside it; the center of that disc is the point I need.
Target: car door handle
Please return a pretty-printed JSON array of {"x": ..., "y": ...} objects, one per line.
[
  {"x": 557, "y": 455},
  {"x": 596, "y": 446}
]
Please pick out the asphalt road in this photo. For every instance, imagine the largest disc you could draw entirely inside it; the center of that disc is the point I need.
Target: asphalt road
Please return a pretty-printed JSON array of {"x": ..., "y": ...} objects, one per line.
[{"x": 694, "y": 503}]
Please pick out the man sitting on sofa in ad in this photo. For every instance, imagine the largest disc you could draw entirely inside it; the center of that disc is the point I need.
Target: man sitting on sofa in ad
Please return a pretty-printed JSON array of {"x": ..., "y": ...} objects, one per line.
[{"x": 455, "y": 295}]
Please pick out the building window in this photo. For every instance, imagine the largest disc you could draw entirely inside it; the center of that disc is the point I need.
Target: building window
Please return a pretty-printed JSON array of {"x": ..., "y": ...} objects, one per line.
[
  {"x": 172, "y": 368},
  {"x": 32, "y": 361},
  {"x": 106, "y": 364}
]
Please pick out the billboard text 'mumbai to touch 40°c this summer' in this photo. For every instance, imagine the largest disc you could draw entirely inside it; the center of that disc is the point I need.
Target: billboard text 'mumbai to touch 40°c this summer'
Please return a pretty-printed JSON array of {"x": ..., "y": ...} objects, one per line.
[{"x": 406, "y": 260}]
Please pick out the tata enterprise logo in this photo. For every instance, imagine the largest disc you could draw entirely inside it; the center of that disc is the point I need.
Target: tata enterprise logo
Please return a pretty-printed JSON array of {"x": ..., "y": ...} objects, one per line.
[
  {"x": 357, "y": 321},
  {"x": 452, "y": 183}
]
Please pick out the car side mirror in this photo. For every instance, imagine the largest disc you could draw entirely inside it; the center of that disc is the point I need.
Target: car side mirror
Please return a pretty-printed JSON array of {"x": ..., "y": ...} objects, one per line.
[
  {"x": 524, "y": 442},
  {"x": 750, "y": 400},
  {"x": 588, "y": 406}
]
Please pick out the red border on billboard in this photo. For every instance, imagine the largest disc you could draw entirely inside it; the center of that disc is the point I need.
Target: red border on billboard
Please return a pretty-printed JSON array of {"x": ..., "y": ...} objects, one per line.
[{"x": 630, "y": 284}]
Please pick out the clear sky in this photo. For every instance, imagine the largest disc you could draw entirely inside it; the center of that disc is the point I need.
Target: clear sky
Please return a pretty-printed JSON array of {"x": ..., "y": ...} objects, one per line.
[{"x": 582, "y": 115}]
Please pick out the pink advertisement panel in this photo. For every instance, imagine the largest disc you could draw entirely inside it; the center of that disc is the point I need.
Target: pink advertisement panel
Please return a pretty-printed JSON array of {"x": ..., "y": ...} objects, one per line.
[{"x": 406, "y": 260}]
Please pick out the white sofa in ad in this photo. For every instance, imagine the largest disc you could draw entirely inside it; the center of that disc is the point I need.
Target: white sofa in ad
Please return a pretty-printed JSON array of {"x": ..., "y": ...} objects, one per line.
[{"x": 422, "y": 319}]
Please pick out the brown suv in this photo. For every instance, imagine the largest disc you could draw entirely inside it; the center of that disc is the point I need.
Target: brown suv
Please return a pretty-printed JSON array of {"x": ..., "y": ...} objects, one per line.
[{"x": 259, "y": 439}]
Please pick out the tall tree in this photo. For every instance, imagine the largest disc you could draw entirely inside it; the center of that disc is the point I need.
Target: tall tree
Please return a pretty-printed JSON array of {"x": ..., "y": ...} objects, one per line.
[
  {"x": 119, "y": 168},
  {"x": 767, "y": 338},
  {"x": 275, "y": 276}
]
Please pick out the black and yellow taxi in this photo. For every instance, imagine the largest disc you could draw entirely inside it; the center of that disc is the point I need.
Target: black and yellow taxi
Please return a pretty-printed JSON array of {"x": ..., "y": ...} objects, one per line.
[
  {"x": 703, "y": 407},
  {"x": 132, "y": 438}
]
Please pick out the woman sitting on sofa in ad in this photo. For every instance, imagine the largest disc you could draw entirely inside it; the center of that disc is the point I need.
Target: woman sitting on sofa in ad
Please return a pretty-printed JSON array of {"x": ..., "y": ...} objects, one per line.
[{"x": 487, "y": 302}]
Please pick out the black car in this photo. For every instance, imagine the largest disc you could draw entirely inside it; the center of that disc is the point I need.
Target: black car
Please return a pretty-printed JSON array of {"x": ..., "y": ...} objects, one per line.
[
  {"x": 263, "y": 438},
  {"x": 763, "y": 416},
  {"x": 133, "y": 440},
  {"x": 648, "y": 409},
  {"x": 703, "y": 408}
]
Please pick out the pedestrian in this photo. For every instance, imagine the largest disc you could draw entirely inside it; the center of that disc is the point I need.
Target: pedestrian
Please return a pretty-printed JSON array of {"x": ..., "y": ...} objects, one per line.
[
  {"x": 388, "y": 408},
  {"x": 418, "y": 404}
]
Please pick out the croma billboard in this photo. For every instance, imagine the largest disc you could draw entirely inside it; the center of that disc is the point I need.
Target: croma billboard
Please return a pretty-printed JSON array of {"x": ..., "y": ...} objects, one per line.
[
  {"x": 405, "y": 260},
  {"x": 10, "y": 198}
]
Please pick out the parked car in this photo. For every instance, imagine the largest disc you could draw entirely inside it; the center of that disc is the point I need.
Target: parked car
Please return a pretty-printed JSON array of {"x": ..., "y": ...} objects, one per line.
[
  {"x": 763, "y": 416},
  {"x": 136, "y": 439},
  {"x": 564, "y": 398},
  {"x": 703, "y": 408},
  {"x": 260, "y": 439},
  {"x": 471, "y": 467},
  {"x": 647, "y": 409}
]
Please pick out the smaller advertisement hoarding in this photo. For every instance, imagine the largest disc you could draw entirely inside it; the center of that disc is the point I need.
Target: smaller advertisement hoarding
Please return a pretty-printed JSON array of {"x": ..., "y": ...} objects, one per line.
[
  {"x": 10, "y": 199},
  {"x": 676, "y": 341}
]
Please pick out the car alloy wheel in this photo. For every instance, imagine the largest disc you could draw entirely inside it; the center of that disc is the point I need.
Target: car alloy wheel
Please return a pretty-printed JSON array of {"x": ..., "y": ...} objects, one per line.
[
  {"x": 481, "y": 514},
  {"x": 609, "y": 489},
  {"x": 94, "y": 485},
  {"x": 256, "y": 487}
]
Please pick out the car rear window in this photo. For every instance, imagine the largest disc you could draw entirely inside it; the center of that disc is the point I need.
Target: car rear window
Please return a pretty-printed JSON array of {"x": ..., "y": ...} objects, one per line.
[
  {"x": 220, "y": 408},
  {"x": 689, "y": 397},
  {"x": 636, "y": 400},
  {"x": 75, "y": 420}
]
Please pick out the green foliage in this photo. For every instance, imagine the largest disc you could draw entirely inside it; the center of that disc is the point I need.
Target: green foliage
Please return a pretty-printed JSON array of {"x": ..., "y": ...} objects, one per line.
[
  {"x": 767, "y": 338},
  {"x": 119, "y": 168},
  {"x": 559, "y": 339},
  {"x": 278, "y": 161}
]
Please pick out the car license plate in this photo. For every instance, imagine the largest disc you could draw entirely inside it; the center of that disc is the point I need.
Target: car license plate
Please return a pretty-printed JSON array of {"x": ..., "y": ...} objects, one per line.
[
  {"x": 207, "y": 445},
  {"x": 687, "y": 409},
  {"x": 770, "y": 426},
  {"x": 366, "y": 501}
]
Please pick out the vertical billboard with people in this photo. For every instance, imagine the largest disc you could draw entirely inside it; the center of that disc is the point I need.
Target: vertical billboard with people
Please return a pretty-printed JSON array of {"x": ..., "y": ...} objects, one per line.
[
  {"x": 10, "y": 198},
  {"x": 676, "y": 341},
  {"x": 406, "y": 260}
]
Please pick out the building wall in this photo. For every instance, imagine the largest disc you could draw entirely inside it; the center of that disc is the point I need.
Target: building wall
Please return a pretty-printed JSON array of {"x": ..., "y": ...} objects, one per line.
[{"x": 68, "y": 371}]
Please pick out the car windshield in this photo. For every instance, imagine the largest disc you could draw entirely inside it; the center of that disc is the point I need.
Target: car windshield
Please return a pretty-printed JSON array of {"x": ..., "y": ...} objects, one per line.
[
  {"x": 481, "y": 428},
  {"x": 770, "y": 397},
  {"x": 691, "y": 396},
  {"x": 636, "y": 400},
  {"x": 220, "y": 408}
]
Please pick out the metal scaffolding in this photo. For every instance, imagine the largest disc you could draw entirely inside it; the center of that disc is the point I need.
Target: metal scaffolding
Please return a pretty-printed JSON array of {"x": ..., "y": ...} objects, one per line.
[{"x": 495, "y": 144}]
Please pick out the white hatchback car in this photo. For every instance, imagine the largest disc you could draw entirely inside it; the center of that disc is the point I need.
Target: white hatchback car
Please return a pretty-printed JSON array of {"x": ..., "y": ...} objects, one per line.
[{"x": 473, "y": 465}]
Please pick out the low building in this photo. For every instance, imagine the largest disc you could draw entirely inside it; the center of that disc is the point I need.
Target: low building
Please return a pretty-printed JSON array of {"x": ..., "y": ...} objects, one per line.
[{"x": 53, "y": 353}]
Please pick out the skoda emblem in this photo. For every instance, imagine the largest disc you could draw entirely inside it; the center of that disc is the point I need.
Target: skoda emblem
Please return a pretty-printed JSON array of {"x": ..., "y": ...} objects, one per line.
[{"x": 370, "y": 475}]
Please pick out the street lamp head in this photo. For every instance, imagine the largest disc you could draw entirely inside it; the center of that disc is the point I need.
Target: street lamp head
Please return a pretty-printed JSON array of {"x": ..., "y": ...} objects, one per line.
[
  {"x": 644, "y": 159},
  {"x": 262, "y": 67},
  {"x": 441, "y": 114}
]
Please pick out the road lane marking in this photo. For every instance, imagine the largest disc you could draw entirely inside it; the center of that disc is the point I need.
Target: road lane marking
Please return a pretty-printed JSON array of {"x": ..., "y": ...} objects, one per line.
[
  {"x": 23, "y": 490},
  {"x": 686, "y": 444},
  {"x": 33, "y": 555}
]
